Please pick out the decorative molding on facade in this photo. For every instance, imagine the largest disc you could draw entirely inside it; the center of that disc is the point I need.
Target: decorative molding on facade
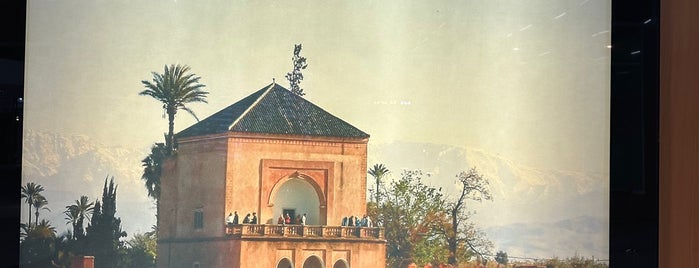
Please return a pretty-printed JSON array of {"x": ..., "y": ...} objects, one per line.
[
  {"x": 316, "y": 173},
  {"x": 305, "y": 232},
  {"x": 278, "y": 139}
]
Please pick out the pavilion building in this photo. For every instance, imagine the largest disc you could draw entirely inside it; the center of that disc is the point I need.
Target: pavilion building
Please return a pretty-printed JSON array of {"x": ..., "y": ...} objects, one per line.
[{"x": 271, "y": 153}]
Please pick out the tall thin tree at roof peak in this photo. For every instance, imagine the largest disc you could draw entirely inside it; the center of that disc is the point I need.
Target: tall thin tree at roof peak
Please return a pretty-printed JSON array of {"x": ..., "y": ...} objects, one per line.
[{"x": 295, "y": 76}]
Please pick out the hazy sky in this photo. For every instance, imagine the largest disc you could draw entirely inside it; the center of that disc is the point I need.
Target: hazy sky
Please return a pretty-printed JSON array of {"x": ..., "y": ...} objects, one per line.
[{"x": 528, "y": 80}]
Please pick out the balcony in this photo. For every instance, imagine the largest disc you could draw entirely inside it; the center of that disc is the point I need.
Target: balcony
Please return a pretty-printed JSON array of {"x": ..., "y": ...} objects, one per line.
[{"x": 274, "y": 231}]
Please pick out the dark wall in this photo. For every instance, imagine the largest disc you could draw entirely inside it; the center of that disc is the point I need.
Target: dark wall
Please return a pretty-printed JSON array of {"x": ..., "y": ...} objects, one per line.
[
  {"x": 634, "y": 134},
  {"x": 12, "y": 18}
]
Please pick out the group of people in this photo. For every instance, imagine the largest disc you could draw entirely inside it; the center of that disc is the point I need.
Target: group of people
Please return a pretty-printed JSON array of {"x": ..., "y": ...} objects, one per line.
[
  {"x": 356, "y": 221},
  {"x": 249, "y": 219},
  {"x": 286, "y": 219}
]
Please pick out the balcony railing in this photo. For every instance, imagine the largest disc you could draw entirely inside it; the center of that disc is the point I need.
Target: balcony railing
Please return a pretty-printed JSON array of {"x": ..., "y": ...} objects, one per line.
[{"x": 320, "y": 231}]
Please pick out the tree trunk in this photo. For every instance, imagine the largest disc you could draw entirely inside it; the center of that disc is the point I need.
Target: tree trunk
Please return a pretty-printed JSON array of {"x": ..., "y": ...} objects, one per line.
[
  {"x": 157, "y": 216},
  {"x": 29, "y": 223},
  {"x": 452, "y": 240},
  {"x": 452, "y": 252},
  {"x": 377, "y": 192},
  {"x": 170, "y": 141}
]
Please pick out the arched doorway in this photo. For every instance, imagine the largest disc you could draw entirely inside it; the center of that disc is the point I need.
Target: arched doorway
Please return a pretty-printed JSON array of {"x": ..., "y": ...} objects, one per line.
[
  {"x": 313, "y": 262},
  {"x": 297, "y": 196},
  {"x": 284, "y": 263},
  {"x": 341, "y": 264}
]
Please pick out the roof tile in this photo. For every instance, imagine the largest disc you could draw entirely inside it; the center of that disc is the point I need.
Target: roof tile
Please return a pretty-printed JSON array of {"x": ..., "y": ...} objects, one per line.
[{"x": 274, "y": 110}]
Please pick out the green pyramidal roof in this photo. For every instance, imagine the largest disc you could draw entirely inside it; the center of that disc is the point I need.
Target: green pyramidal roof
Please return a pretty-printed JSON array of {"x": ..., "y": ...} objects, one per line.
[{"x": 274, "y": 110}]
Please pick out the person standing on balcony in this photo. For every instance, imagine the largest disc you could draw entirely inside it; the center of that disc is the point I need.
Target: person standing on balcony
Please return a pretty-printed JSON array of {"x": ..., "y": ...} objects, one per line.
[
  {"x": 229, "y": 220},
  {"x": 303, "y": 219},
  {"x": 246, "y": 220},
  {"x": 254, "y": 218},
  {"x": 287, "y": 219}
]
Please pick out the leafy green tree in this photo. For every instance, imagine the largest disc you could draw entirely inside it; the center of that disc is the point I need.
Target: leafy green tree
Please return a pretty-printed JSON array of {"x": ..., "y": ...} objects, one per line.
[
  {"x": 104, "y": 232},
  {"x": 30, "y": 192},
  {"x": 295, "y": 76},
  {"x": 378, "y": 171},
  {"x": 411, "y": 213},
  {"x": 175, "y": 88},
  {"x": 460, "y": 232},
  {"x": 141, "y": 250},
  {"x": 572, "y": 262},
  {"x": 501, "y": 257},
  {"x": 64, "y": 252},
  {"x": 431, "y": 251}
]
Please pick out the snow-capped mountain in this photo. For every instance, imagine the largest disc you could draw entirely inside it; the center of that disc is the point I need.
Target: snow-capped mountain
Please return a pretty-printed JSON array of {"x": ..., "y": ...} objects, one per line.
[
  {"x": 535, "y": 212},
  {"x": 70, "y": 166},
  {"x": 583, "y": 236},
  {"x": 525, "y": 199}
]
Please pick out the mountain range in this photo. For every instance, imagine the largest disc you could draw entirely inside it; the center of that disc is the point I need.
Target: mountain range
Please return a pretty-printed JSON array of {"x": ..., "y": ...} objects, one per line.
[
  {"x": 68, "y": 166},
  {"x": 534, "y": 212}
]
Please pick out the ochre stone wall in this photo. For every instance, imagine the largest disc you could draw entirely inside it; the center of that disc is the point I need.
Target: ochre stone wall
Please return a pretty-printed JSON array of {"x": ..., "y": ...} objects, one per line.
[
  {"x": 257, "y": 164},
  {"x": 268, "y": 253},
  {"x": 219, "y": 174},
  {"x": 358, "y": 254},
  {"x": 206, "y": 252},
  {"x": 194, "y": 180}
]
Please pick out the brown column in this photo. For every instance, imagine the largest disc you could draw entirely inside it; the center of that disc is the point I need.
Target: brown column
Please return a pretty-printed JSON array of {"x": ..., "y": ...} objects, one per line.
[{"x": 679, "y": 134}]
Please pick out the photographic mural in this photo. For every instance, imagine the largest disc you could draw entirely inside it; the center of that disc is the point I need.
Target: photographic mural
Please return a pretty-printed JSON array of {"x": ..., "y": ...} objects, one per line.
[{"x": 516, "y": 90}]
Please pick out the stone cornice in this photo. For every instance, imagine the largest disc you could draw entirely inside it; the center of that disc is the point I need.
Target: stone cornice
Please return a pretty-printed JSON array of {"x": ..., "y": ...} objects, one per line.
[{"x": 277, "y": 139}]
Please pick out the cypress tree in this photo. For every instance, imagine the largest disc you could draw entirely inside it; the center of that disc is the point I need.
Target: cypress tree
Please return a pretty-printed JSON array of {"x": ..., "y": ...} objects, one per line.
[{"x": 104, "y": 232}]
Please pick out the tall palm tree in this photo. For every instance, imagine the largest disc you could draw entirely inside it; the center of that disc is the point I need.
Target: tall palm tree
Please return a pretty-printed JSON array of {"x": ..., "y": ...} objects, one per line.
[
  {"x": 37, "y": 247},
  {"x": 77, "y": 213},
  {"x": 42, "y": 229},
  {"x": 378, "y": 171},
  {"x": 23, "y": 231},
  {"x": 174, "y": 88},
  {"x": 30, "y": 192},
  {"x": 71, "y": 218},
  {"x": 152, "y": 171},
  {"x": 40, "y": 202}
]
